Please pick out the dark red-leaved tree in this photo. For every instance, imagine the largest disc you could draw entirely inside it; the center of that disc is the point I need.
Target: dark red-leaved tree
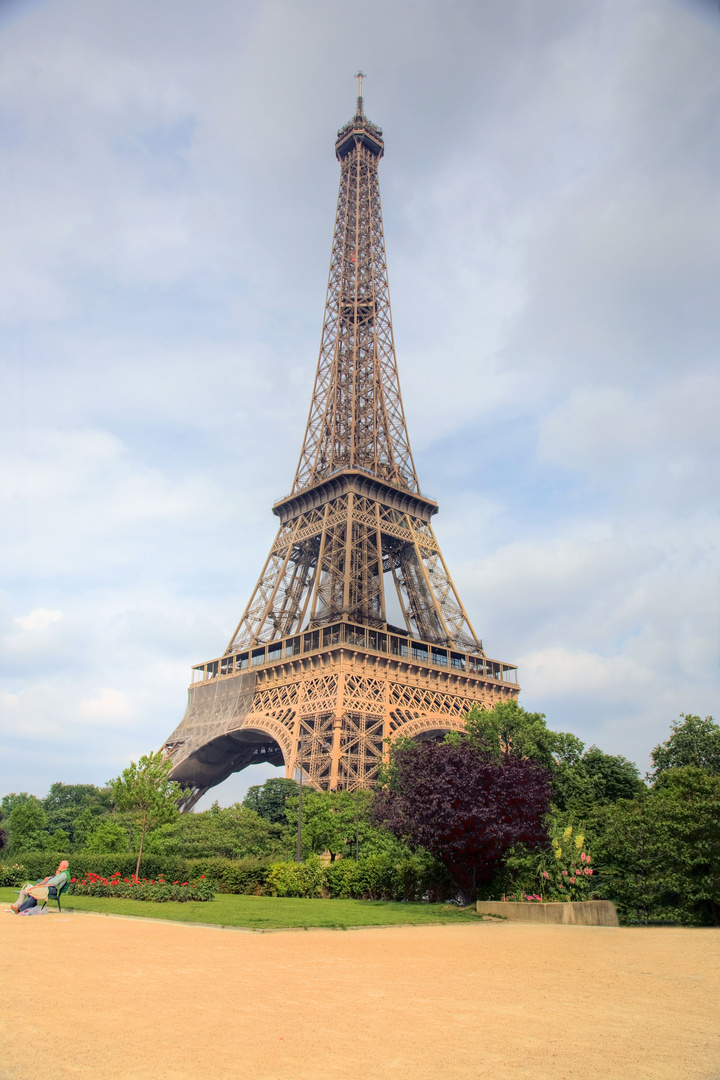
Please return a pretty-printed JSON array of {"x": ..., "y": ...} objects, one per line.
[{"x": 466, "y": 807}]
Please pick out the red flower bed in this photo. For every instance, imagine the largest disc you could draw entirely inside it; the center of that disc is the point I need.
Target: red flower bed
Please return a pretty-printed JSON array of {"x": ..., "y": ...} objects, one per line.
[{"x": 134, "y": 888}]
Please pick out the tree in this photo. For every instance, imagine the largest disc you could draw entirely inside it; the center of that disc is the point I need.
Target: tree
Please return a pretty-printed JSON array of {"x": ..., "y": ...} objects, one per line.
[
  {"x": 613, "y": 776},
  {"x": 27, "y": 824},
  {"x": 593, "y": 780},
  {"x": 269, "y": 800},
  {"x": 581, "y": 779},
  {"x": 108, "y": 837},
  {"x": 332, "y": 821},
  {"x": 11, "y": 800},
  {"x": 463, "y": 805},
  {"x": 146, "y": 794},
  {"x": 235, "y": 832},
  {"x": 75, "y": 808},
  {"x": 508, "y": 730},
  {"x": 667, "y": 848},
  {"x": 660, "y": 853},
  {"x": 693, "y": 742}
]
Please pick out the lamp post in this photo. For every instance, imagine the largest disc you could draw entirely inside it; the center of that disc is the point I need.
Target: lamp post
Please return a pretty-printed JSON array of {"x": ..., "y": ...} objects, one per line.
[
  {"x": 357, "y": 824},
  {"x": 298, "y": 854}
]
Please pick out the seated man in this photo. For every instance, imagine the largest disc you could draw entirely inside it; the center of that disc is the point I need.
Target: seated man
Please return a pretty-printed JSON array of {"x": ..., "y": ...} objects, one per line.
[{"x": 30, "y": 894}]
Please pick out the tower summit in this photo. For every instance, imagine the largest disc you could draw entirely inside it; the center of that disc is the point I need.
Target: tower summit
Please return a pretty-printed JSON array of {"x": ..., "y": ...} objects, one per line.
[{"x": 315, "y": 677}]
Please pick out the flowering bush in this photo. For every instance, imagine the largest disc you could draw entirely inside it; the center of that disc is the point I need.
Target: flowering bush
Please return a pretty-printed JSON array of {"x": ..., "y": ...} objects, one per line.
[
  {"x": 523, "y": 896},
  {"x": 12, "y": 875},
  {"x": 134, "y": 888},
  {"x": 568, "y": 872}
]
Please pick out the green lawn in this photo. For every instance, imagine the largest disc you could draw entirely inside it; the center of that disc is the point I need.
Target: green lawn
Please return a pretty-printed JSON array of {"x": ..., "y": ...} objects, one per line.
[{"x": 273, "y": 913}]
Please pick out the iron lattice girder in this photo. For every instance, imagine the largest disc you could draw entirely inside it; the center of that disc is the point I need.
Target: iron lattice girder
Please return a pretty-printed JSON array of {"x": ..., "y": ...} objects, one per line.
[
  {"x": 327, "y": 701},
  {"x": 314, "y": 675},
  {"x": 356, "y": 417},
  {"x": 330, "y": 559}
]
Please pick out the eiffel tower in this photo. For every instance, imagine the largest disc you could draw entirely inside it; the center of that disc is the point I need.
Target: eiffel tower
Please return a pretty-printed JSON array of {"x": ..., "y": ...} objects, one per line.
[{"x": 314, "y": 676}]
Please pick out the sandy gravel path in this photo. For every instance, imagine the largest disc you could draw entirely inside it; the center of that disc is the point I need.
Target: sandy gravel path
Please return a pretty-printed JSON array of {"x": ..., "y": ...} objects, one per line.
[{"x": 127, "y": 999}]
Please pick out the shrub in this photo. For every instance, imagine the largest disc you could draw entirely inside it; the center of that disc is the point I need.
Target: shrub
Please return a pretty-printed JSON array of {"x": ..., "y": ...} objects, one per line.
[
  {"x": 380, "y": 877},
  {"x": 383, "y": 876},
  {"x": 134, "y": 888},
  {"x": 296, "y": 879},
  {"x": 12, "y": 875},
  {"x": 247, "y": 876}
]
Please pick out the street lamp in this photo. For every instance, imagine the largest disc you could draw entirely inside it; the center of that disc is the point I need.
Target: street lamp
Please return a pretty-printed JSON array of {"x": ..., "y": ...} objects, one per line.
[
  {"x": 357, "y": 824},
  {"x": 298, "y": 854}
]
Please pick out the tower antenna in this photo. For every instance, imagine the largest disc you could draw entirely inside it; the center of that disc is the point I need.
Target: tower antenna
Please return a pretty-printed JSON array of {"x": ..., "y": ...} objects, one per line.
[{"x": 360, "y": 76}]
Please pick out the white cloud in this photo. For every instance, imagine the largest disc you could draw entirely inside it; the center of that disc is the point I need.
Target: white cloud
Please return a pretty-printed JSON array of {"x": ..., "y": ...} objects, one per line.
[
  {"x": 39, "y": 619},
  {"x": 559, "y": 672},
  {"x": 107, "y": 706}
]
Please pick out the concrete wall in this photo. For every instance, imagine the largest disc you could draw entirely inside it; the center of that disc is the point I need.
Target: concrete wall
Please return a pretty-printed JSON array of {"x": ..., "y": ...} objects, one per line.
[{"x": 573, "y": 913}]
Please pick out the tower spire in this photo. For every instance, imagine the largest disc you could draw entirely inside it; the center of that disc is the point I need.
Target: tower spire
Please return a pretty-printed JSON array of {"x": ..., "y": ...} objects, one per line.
[
  {"x": 354, "y": 633},
  {"x": 360, "y": 76}
]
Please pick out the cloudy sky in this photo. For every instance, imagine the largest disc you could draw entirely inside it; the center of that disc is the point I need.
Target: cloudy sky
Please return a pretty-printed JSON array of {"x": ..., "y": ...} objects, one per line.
[{"x": 552, "y": 219}]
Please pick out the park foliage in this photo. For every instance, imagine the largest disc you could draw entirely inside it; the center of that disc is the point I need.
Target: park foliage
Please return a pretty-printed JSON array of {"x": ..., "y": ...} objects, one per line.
[
  {"x": 466, "y": 804},
  {"x": 135, "y": 888},
  {"x": 511, "y": 808}
]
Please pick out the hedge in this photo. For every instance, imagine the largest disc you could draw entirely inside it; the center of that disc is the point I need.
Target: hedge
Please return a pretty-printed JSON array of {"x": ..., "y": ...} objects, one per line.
[
  {"x": 228, "y": 875},
  {"x": 377, "y": 877}
]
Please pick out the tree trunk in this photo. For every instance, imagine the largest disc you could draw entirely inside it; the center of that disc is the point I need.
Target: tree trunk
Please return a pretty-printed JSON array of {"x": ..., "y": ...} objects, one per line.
[{"x": 142, "y": 838}]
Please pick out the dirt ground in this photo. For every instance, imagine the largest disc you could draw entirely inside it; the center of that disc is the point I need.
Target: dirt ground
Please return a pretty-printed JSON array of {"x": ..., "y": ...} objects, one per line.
[{"x": 87, "y": 995}]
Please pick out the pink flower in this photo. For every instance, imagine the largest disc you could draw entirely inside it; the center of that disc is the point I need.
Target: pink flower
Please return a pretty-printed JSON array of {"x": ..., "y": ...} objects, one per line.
[
  {"x": 588, "y": 859},
  {"x": 572, "y": 880},
  {"x": 583, "y": 857},
  {"x": 561, "y": 886},
  {"x": 565, "y": 873},
  {"x": 588, "y": 871},
  {"x": 545, "y": 874}
]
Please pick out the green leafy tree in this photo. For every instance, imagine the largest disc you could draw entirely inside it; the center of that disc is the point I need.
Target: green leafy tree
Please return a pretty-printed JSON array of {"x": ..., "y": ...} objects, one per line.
[
  {"x": 592, "y": 780},
  {"x": 693, "y": 742},
  {"x": 11, "y": 800},
  {"x": 235, "y": 832},
  {"x": 581, "y": 779},
  {"x": 612, "y": 775},
  {"x": 508, "y": 730},
  {"x": 27, "y": 824},
  {"x": 108, "y": 837},
  {"x": 59, "y": 841},
  {"x": 75, "y": 808},
  {"x": 269, "y": 800},
  {"x": 145, "y": 793},
  {"x": 659, "y": 854},
  {"x": 333, "y": 821}
]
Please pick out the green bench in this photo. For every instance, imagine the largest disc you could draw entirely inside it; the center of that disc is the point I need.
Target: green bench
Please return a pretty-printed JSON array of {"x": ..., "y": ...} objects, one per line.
[{"x": 58, "y": 894}]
